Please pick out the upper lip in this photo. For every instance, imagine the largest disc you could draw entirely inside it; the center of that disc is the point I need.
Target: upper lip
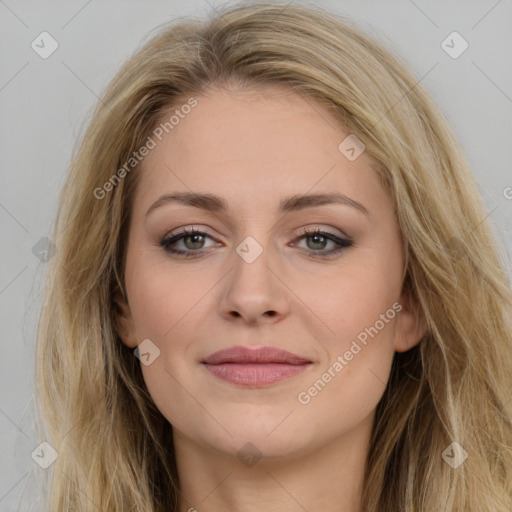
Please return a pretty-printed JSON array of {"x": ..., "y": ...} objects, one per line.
[{"x": 241, "y": 354}]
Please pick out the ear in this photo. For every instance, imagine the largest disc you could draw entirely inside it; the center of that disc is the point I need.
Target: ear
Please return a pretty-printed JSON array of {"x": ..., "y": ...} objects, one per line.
[
  {"x": 123, "y": 321},
  {"x": 411, "y": 325}
]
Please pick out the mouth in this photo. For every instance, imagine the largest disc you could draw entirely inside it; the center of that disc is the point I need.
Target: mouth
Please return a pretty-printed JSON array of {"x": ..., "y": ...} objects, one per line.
[{"x": 255, "y": 367}]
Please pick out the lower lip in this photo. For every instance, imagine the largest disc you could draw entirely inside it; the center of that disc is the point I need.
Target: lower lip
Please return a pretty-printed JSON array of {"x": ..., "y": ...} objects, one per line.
[{"x": 256, "y": 375}]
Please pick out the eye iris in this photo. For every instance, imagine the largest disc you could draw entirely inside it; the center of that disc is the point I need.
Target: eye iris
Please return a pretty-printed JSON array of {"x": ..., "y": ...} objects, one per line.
[
  {"x": 316, "y": 239},
  {"x": 195, "y": 238}
]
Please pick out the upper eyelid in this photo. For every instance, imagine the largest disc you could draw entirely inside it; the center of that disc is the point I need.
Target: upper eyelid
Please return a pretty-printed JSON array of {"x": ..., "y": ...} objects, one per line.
[
  {"x": 304, "y": 231},
  {"x": 187, "y": 231}
]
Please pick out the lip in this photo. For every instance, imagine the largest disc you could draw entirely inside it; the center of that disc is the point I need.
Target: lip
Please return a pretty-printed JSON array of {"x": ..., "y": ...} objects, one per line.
[
  {"x": 245, "y": 355},
  {"x": 255, "y": 367}
]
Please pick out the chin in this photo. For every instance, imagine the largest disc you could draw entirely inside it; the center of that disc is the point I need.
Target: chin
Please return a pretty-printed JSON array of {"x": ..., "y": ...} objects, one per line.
[{"x": 265, "y": 434}]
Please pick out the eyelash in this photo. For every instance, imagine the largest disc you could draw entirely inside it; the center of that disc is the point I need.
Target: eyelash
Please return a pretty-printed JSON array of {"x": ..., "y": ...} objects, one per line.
[{"x": 306, "y": 233}]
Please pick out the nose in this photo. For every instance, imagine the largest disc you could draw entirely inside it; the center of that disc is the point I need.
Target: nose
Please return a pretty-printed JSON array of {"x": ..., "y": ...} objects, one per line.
[{"x": 254, "y": 292}]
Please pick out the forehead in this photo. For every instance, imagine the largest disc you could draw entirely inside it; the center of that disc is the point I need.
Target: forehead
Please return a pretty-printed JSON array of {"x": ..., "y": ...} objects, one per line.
[
  {"x": 258, "y": 143},
  {"x": 267, "y": 123}
]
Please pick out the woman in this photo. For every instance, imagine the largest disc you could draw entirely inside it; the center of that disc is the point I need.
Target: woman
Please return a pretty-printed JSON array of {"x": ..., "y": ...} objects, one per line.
[{"x": 275, "y": 286}]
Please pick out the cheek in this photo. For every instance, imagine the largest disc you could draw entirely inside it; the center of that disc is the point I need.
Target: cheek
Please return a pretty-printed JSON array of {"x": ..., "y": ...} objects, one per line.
[
  {"x": 350, "y": 395},
  {"x": 161, "y": 297},
  {"x": 361, "y": 312},
  {"x": 351, "y": 382},
  {"x": 354, "y": 299},
  {"x": 168, "y": 390},
  {"x": 163, "y": 303}
]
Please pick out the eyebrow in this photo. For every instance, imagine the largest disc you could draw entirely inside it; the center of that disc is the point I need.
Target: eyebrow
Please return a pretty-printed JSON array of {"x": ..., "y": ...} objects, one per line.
[{"x": 213, "y": 203}]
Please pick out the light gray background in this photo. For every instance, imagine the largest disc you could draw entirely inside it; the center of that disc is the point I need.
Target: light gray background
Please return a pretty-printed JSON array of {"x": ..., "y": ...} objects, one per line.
[{"x": 45, "y": 103}]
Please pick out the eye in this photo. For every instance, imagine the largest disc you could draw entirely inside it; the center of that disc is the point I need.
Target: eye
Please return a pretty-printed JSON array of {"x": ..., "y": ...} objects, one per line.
[
  {"x": 320, "y": 239},
  {"x": 192, "y": 239},
  {"x": 193, "y": 242}
]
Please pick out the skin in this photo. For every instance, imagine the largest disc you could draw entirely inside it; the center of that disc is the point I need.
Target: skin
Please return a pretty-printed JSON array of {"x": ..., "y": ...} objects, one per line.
[{"x": 254, "y": 148}]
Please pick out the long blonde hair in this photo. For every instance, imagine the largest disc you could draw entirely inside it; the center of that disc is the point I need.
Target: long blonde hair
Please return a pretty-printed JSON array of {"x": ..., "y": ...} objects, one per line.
[{"x": 115, "y": 447}]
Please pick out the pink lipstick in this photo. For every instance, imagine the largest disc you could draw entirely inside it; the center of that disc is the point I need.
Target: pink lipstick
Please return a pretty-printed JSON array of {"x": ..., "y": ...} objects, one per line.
[{"x": 255, "y": 367}]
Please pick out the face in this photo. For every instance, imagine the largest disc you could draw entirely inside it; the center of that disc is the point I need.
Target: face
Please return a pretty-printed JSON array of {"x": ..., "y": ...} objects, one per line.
[{"x": 318, "y": 279}]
